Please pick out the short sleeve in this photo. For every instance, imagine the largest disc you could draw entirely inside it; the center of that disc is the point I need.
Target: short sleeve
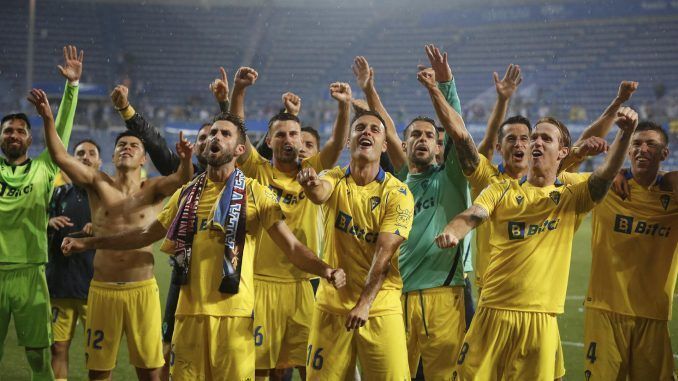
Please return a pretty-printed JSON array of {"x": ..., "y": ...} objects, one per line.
[
  {"x": 480, "y": 178},
  {"x": 332, "y": 176},
  {"x": 581, "y": 196},
  {"x": 490, "y": 197},
  {"x": 167, "y": 214},
  {"x": 571, "y": 178},
  {"x": 313, "y": 162},
  {"x": 253, "y": 165},
  {"x": 267, "y": 207},
  {"x": 399, "y": 212}
]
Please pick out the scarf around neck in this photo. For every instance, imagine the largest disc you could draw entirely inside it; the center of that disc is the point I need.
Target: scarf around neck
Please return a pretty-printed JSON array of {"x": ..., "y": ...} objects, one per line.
[{"x": 227, "y": 215}]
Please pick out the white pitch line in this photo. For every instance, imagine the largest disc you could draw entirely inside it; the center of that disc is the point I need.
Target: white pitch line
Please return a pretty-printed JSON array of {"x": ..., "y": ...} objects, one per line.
[{"x": 581, "y": 345}]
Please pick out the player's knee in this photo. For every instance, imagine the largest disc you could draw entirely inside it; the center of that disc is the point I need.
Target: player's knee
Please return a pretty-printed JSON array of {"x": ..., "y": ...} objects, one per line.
[
  {"x": 60, "y": 348},
  {"x": 99, "y": 375},
  {"x": 40, "y": 362}
]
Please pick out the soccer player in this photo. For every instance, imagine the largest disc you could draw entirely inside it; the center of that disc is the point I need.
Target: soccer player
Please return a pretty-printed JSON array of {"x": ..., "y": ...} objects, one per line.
[
  {"x": 123, "y": 294},
  {"x": 167, "y": 162},
  {"x": 213, "y": 333},
  {"x": 25, "y": 191},
  {"x": 633, "y": 270},
  {"x": 433, "y": 278},
  {"x": 283, "y": 294},
  {"x": 514, "y": 334},
  {"x": 68, "y": 278},
  {"x": 367, "y": 214}
]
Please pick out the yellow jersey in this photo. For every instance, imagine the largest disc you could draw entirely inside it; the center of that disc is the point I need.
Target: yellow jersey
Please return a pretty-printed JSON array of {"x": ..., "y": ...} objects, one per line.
[
  {"x": 201, "y": 296},
  {"x": 353, "y": 218},
  {"x": 302, "y": 216},
  {"x": 635, "y": 256},
  {"x": 531, "y": 243},
  {"x": 485, "y": 174}
]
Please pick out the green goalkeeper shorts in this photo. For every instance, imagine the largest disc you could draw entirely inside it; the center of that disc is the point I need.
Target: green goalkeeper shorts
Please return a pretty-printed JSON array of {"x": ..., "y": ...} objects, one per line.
[{"x": 24, "y": 295}]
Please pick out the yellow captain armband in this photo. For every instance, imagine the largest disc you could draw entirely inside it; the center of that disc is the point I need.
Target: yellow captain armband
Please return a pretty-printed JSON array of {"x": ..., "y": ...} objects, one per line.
[{"x": 126, "y": 112}]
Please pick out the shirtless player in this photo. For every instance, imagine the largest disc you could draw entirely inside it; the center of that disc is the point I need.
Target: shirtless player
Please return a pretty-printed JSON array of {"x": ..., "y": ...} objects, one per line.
[{"x": 123, "y": 295}]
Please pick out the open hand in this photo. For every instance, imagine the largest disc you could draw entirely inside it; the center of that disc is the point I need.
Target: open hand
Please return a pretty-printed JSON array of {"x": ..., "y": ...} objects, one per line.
[
  {"x": 508, "y": 85},
  {"x": 364, "y": 75},
  {"x": 357, "y": 317},
  {"x": 60, "y": 222},
  {"x": 439, "y": 63},
  {"x": 39, "y": 99},
  {"x": 72, "y": 68}
]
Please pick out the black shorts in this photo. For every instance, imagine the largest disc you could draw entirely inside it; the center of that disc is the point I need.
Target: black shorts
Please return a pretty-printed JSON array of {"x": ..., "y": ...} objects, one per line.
[{"x": 170, "y": 309}]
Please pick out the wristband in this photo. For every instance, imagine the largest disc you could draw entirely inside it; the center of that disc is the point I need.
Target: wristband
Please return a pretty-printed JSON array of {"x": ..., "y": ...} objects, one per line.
[{"x": 75, "y": 83}]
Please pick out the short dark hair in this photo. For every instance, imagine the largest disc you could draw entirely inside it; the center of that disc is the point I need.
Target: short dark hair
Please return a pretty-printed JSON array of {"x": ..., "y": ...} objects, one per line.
[
  {"x": 282, "y": 116},
  {"x": 237, "y": 121},
  {"x": 130, "y": 133},
  {"x": 420, "y": 118},
  {"x": 565, "y": 138},
  {"x": 313, "y": 132},
  {"x": 648, "y": 125},
  {"x": 90, "y": 141},
  {"x": 359, "y": 113},
  {"x": 20, "y": 116},
  {"x": 516, "y": 119}
]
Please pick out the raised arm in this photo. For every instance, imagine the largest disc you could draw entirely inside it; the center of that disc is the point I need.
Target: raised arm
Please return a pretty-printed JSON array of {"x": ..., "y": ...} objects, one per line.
[
  {"x": 316, "y": 189},
  {"x": 302, "y": 257},
  {"x": 331, "y": 151},
  {"x": 387, "y": 245},
  {"x": 78, "y": 172},
  {"x": 505, "y": 89},
  {"x": 601, "y": 178},
  {"x": 219, "y": 88},
  {"x": 461, "y": 225},
  {"x": 452, "y": 122},
  {"x": 127, "y": 240},
  {"x": 71, "y": 70},
  {"x": 365, "y": 77},
  {"x": 604, "y": 123},
  {"x": 163, "y": 158},
  {"x": 244, "y": 78},
  {"x": 166, "y": 185},
  {"x": 292, "y": 103}
]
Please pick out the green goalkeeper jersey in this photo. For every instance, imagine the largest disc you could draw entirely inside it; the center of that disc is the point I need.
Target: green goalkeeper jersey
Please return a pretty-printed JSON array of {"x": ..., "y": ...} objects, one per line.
[
  {"x": 25, "y": 191},
  {"x": 440, "y": 193}
]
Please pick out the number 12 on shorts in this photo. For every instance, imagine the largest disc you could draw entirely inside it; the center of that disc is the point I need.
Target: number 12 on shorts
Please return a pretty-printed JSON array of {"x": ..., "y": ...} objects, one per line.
[
  {"x": 317, "y": 363},
  {"x": 98, "y": 338}
]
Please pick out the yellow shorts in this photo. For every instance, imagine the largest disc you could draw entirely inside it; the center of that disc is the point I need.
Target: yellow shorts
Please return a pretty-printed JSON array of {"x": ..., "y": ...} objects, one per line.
[
  {"x": 65, "y": 315},
  {"x": 282, "y": 318},
  {"x": 626, "y": 347},
  {"x": 132, "y": 308},
  {"x": 560, "y": 359},
  {"x": 212, "y": 348},
  {"x": 509, "y": 345},
  {"x": 379, "y": 346},
  {"x": 435, "y": 321}
]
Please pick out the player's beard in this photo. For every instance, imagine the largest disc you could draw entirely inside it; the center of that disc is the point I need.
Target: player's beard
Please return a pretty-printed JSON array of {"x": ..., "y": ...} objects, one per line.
[
  {"x": 13, "y": 153},
  {"x": 226, "y": 157}
]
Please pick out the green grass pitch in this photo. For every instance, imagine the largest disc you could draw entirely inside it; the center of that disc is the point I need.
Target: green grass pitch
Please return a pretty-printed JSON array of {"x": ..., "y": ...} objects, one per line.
[{"x": 14, "y": 366}]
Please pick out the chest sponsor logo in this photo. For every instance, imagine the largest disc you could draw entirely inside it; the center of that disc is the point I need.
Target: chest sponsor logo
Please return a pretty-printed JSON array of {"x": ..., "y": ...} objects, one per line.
[
  {"x": 287, "y": 198},
  {"x": 344, "y": 223},
  {"x": 8, "y": 191},
  {"x": 629, "y": 225},
  {"x": 522, "y": 230},
  {"x": 665, "y": 199},
  {"x": 424, "y": 204}
]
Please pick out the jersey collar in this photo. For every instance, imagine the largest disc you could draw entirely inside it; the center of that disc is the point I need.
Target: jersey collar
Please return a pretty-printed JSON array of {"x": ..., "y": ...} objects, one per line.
[
  {"x": 628, "y": 175},
  {"x": 381, "y": 175},
  {"x": 524, "y": 179},
  {"x": 501, "y": 168},
  {"x": 27, "y": 161}
]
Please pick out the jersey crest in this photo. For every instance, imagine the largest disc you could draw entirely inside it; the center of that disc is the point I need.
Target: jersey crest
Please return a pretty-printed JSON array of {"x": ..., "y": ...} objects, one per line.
[
  {"x": 665, "y": 199},
  {"x": 555, "y": 196}
]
